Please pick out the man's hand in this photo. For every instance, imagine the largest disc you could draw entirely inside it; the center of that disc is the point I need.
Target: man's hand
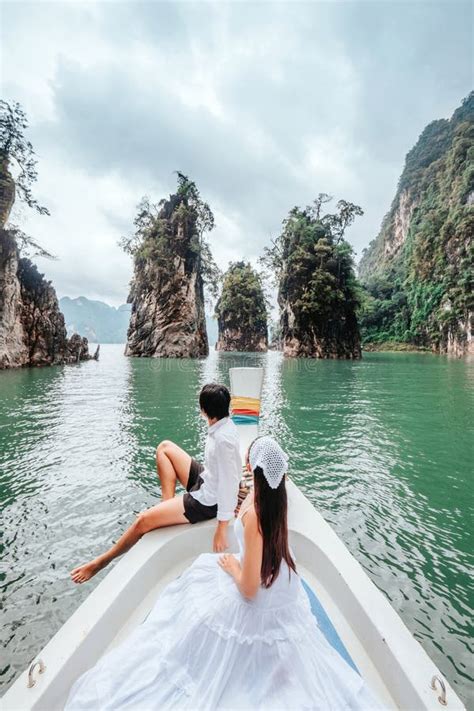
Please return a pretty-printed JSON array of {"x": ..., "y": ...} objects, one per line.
[{"x": 220, "y": 542}]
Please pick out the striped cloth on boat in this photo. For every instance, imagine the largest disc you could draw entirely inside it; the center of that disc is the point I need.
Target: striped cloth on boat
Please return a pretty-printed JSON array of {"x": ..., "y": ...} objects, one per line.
[{"x": 245, "y": 410}]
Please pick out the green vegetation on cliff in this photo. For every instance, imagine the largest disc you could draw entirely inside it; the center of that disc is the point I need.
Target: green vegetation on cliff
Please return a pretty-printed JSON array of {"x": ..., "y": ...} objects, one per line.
[
  {"x": 317, "y": 288},
  {"x": 175, "y": 228},
  {"x": 418, "y": 271},
  {"x": 241, "y": 310}
]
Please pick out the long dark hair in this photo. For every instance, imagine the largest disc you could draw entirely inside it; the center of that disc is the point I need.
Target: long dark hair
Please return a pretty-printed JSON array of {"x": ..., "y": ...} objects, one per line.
[{"x": 271, "y": 507}]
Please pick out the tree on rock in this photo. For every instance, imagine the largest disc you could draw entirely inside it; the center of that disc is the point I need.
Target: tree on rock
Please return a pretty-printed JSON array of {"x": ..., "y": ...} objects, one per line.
[
  {"x": 172, "y": 262},
  {"x": 16, "y": 150},
  {"x": 241, "y": 311},
  {"x": 317, "y": 288}
]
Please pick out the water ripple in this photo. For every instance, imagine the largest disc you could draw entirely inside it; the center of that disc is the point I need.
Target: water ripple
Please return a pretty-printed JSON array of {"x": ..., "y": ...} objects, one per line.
[{"x": 383, "y": 448}]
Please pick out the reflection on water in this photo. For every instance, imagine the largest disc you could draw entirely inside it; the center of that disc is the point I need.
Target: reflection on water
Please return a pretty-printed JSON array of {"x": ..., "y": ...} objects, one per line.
[{"x": 382, "y": 447}]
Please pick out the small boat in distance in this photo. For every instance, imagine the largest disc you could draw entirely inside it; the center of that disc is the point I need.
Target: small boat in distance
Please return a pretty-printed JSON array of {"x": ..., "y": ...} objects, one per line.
[{"x": 355, "y": 616}]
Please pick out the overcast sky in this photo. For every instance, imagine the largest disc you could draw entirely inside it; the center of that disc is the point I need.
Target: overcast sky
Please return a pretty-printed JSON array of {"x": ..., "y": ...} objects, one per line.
[{"x": 262, "y": 104}]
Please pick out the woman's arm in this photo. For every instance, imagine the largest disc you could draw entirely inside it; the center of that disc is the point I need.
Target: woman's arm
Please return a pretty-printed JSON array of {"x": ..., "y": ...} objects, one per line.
[{"x": 247, "y": 575}]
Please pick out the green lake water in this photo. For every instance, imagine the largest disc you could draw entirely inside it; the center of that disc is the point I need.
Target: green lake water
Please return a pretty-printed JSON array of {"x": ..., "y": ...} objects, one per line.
[{"x": 382, "y": 447}]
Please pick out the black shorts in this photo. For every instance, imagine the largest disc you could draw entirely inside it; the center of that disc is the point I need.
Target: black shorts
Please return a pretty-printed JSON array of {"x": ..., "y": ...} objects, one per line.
[{"x": 193, "y": 509}]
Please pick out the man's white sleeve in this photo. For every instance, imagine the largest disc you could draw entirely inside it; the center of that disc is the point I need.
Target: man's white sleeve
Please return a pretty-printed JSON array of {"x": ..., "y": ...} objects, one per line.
[{"x": 228, "y": 478}]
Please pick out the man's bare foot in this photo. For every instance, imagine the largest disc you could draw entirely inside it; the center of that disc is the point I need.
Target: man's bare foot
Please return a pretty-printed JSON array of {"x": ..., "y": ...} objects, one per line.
[{"x": 86, "y": 571}]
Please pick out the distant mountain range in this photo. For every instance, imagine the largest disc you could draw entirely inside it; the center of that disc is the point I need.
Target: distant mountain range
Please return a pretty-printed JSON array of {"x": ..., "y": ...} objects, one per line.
[
  {"x": 102, "y": 323},
  {"x": 96, "y": 320}
]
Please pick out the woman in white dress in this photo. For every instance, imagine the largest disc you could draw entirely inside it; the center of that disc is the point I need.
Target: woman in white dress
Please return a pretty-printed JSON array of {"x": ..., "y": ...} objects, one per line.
[{"x": 232, "y": 632}]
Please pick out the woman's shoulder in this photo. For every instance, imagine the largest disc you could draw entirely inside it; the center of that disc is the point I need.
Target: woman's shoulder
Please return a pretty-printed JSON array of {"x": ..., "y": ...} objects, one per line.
[
  {"x": 250, "y": 520},
  {"x": 247, "y": 505},
  {"x": 249, "y": 510}
]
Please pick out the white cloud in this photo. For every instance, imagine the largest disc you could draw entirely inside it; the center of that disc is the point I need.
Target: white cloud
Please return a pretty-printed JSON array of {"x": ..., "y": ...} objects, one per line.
[
  {"x": 263, "y": 104},
  {"x": 80, "y": 233}
]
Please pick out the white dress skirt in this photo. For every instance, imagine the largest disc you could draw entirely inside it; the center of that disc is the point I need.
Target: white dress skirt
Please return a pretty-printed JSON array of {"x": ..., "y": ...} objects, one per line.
[{"x": 204, "y": 646}]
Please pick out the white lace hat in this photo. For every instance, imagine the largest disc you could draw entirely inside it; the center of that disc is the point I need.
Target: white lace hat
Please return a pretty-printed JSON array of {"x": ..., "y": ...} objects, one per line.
[{"x": 267, "y": 454}]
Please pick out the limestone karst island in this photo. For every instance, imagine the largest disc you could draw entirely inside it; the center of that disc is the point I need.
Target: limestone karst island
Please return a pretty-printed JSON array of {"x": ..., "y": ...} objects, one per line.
[{"x": 236, "y": 356}]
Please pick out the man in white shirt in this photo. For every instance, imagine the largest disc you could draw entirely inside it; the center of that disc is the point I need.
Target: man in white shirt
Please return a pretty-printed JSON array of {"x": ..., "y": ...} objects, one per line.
[{"x": 211, "y": 489}]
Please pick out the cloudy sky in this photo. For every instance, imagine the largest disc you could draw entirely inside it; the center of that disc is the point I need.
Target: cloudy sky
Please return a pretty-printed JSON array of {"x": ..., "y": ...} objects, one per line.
[{"x": 263, "y": 104}]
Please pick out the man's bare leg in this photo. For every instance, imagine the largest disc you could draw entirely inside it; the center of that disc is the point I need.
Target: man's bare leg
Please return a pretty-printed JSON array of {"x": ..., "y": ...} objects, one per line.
[
  {"x": 172, "y": 465},
  {"x": 168, "y": 513}
]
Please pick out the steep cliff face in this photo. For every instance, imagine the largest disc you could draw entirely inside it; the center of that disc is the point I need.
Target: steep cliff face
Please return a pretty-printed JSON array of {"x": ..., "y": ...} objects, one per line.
[
  {"x": 167, "y": 296},
  {"x": 32, "y": 329},
  {"x": 418, "y": 271},
  {"x": 167, "y": 318},
  {"x": 13, "y": 343},
  {"x": 7, "y": 190},
  {"x": 336, "y": 336},
  {"x": 241, "y": 311}
]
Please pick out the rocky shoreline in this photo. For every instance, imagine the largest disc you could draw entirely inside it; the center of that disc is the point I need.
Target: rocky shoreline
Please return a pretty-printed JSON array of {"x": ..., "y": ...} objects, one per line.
[{"x": 394, "y": 347}]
